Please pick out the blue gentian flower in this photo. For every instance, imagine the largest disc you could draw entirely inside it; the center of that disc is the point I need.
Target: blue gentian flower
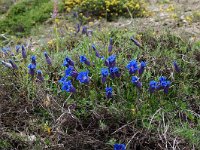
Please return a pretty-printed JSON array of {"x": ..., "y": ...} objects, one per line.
[
  {"x": 142, "y": 67},
  {"x": 152, "y": 86},
  {"x": 14, "y": 66},
  {"x": 62, "y": 80},
  {"x": 48, "y": 59},
  {"x": 89, "y": 32},
  {"x": 67, "y": 86},
  {"x": 78, "y": 28},
  {"x": 33, "y": 60},
  {"x": 136, "y": 42},
  {"x": 68, "y": 62},
  {"x": 40, "y": 76},
  {"x": 83, "y": 77},
  {"x": 83, "y": 59},
  {"x": 84, "y": 30},
  {"x": 24, "y": 55},
  {"x": 111, "y": 61},
  {"x": 17, "y": 48},
  {"x": 164, "y": 84},
  {"x": 176, "y": 67},
  {"x": 110, "y": 46},
  {"x": 31, "y": 68},
  {"x": 135, "y": 81},
  {"x": 5, "y": 49},
  {"x": 104, "y": 74},
  {"x": 96, "y": 52},
  {"x": 132, "y": 67},
  {"x": 70, "y": 71},
  {"x": 119, "y": 147},
  {"x": 114, "y": 72},
  {"x": 108, "y": 92}
]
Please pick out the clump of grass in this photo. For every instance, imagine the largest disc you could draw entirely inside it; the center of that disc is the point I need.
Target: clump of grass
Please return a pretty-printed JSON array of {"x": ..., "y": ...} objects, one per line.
[{"x": 25, "y": 15}]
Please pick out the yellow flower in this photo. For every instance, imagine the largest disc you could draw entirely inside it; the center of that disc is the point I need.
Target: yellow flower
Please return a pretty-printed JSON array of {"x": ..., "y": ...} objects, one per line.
[
  {"x": 137, "y": 6},
  {"x": 68, "y": 9},
  {"x": 57, "y": 20},
  {"x": 50, "y": 42},
  {"x": 91, "y": 23},
  {"x": 188, "y": 19}
]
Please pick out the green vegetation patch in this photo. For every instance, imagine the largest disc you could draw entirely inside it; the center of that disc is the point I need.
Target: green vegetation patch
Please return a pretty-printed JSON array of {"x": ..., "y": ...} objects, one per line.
[{"x": 25, "y": 15}]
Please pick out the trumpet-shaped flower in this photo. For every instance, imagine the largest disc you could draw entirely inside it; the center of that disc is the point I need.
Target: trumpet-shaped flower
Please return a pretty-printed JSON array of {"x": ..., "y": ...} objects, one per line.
[
  {"x": 67, "y": 86},
  {"x": 132, "y": 67},
  {"x": 135, "y": 81},
  {"x": 14, "y": 66},
  {"x": 31, "y": 68},
  {"x": 104, "y": 74},
  {"x": 68, "y": 62},
  {"x": 135, "y": 42},
  {"x": 110, "y": 46},
  {"x": 40, "y": 75},
  {"x": 108, "y": 92},
  {"x": 164, "y": 84},
  {"x": 84, "y": 30},
  {"x": 24, "y": 55},
  {"x": 48, "y": 59},
  {"x": 114, "y": 72},
  {"x": 176, "y": 67},
  {"x": 142, "y": 67},
  {"x": 33, "y": 60},
  {"x": 70, "y": 71},
  {"x": 111, "y": 61},
  {"x": 17, "y": 48},
  {"x": 83, "y": 77},
  {"x": 153, "y": 86},
  {"x": 84, "y": 59}
]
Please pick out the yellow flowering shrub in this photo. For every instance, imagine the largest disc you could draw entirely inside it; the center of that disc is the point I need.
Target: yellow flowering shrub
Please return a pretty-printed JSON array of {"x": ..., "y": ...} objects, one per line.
[{"x": 107, "y": 8}]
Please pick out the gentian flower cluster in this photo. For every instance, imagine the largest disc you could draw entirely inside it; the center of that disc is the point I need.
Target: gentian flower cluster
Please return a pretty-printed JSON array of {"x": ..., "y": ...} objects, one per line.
[
  {"x": 111, "y": 61},
  {"x": 133, "y": 67},
  {"x": 163, "y": 83},
  {"x": 69, "y": 72},
  {"x": 114, "y": 72}
]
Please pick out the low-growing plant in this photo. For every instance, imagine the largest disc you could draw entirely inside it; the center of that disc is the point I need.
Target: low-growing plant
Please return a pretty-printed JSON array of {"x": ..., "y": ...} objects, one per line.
[
  {"x": 109, "y": 9},
  {"x": 111, "y": 74},
  {"x": 25, "y": 15}
]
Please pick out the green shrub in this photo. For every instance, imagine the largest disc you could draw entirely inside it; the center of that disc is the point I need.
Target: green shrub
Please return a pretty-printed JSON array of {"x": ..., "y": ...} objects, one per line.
[
  {"x": 25, "y": 15},
  {"x": 109, "y": 9}
]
